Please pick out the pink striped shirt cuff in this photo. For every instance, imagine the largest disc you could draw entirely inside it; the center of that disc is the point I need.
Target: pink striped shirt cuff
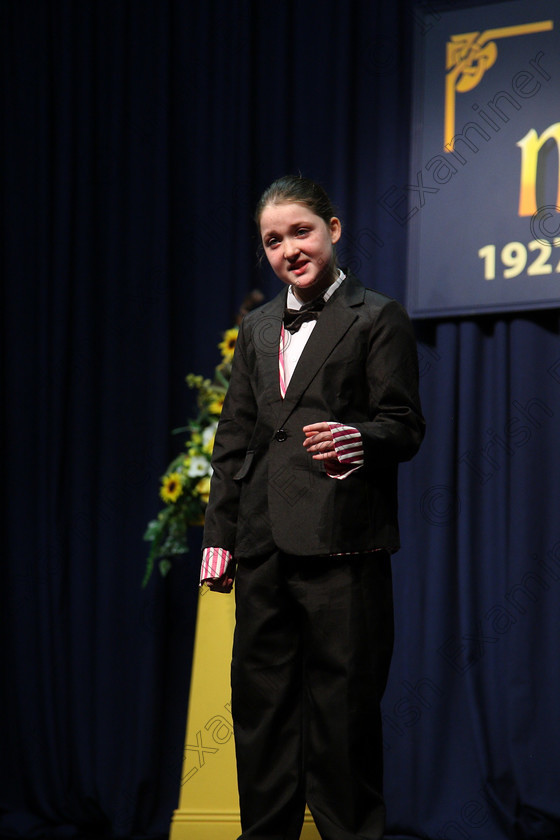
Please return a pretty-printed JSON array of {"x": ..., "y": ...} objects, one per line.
[
  {"x": 348, "y": 447},
  {"x": 214, "y": 563}
]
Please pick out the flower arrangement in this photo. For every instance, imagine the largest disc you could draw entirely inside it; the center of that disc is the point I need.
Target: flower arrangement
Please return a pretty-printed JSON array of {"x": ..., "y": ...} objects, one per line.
[{"x": 185, "y": 485}]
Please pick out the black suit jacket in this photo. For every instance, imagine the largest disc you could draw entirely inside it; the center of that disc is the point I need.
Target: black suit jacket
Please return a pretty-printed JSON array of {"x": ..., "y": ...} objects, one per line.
[{"x": 359, "y": 367}]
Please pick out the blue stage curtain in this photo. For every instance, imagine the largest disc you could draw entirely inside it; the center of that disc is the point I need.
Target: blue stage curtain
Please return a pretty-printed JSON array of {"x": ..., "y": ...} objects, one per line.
[{"x": 137, "y": 137}]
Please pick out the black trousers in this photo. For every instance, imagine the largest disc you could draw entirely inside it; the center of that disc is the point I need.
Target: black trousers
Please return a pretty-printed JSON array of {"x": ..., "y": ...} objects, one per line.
[{"x": 312, "y": 648}]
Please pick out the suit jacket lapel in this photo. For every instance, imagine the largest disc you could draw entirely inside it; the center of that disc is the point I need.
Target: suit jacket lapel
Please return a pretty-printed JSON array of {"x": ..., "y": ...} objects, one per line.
[{"x": 266, "y": 336}]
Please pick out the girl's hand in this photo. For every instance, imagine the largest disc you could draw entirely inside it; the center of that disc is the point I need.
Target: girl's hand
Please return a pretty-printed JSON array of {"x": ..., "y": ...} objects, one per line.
[
  {"x": 221, "y": 584},
  {"x": 319, "y": 441},
  {"x": 225, "y": 582}
]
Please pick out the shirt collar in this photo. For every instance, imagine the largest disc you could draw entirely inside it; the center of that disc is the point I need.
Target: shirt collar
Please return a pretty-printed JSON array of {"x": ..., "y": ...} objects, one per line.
[{"x": 293, "y": 303}]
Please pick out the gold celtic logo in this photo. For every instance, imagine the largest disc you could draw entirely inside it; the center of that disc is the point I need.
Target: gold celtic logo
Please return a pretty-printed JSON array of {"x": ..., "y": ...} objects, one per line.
[{"x": 468, "y": 57}]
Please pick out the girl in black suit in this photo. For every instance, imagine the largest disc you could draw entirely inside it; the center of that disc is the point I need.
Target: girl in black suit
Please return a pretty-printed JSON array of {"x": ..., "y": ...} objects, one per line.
[{"x": 322, "y": 405}]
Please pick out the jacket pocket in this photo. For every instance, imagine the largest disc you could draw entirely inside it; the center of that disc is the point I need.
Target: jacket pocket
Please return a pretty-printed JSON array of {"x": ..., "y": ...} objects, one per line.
[{"x": 246, "y": 466}]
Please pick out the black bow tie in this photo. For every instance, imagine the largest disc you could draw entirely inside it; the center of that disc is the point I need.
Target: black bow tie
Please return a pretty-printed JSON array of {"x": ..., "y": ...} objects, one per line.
[{"x": 294, "y": 318}]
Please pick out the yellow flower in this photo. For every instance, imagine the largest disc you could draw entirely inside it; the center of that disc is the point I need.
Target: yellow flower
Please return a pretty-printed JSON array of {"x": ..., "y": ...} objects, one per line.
[
  {"x": 216, "y": 406},
  {"x": 227, "y": 346},
  {"x": 171, "y": 487},
  {"x": 203, "y": 489}
]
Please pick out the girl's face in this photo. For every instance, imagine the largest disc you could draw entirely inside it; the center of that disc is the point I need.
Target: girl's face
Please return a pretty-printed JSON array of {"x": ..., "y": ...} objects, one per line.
[{"x": 299, "y": 247}]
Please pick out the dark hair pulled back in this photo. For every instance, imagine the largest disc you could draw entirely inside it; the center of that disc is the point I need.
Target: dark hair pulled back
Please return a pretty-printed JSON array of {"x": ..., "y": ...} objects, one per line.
[{"x": 297, "y": 189}]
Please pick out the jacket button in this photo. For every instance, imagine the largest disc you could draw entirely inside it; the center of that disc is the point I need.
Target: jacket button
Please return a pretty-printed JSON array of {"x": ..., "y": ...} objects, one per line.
[{"x": 281, "y": 435}]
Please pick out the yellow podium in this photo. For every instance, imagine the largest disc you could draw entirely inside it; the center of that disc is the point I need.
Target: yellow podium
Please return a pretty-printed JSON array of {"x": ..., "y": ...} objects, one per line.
[{"x": 208, "y": 803}]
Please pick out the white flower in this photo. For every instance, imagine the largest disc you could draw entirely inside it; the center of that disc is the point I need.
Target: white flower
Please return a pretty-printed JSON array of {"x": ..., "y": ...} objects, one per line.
[{"x": 198, "y": 466}]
